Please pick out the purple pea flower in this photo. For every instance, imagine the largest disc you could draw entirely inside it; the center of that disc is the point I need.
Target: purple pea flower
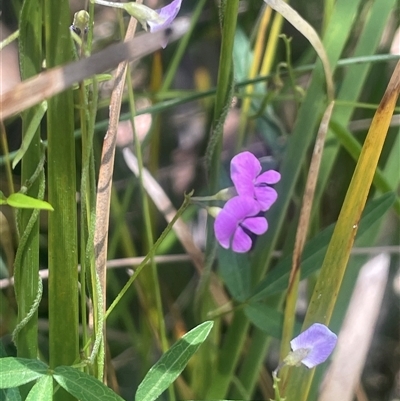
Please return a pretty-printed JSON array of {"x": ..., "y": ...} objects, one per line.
[
  {"x": 236, "y": 220},
  {"x": 167, "y": 14},
  {"x": 245, "y": 174},
  {"x": 312, "y": 347},
  {"x": 155, "y": 19}
]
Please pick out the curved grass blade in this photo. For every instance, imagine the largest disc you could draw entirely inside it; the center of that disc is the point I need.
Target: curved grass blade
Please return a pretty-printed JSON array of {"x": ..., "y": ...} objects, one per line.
[
  {"x": 30, "y": 132},
  {"x": 314, "y": 251},
  {"x": 335, "y": 262},
  {"x": 308, "y": 32}
]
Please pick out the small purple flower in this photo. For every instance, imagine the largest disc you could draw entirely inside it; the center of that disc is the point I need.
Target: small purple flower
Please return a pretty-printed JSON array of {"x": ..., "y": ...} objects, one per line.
[
  {"x": 155, "y": 19},
  {"x": 312, "y": 347},
  {"x": 245, "y": 174},
  {"x": 167, "y": 14},
  {"x": 236, "y": 220}
]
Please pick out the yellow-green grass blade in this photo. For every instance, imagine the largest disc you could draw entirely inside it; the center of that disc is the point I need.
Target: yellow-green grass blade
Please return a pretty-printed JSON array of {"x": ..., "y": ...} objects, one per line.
[{"x": 334, "y": 266}]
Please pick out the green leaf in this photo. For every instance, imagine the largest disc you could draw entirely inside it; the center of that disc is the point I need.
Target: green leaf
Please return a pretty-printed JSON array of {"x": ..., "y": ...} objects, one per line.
[
  {"x": 314, "y": 251},
  {"x": 83, "y": 386},
  {"x": 234, "y": 269},
  {"x": 266, "y": 318},
  {"x": 15, "y": 372},
  {"x": 42, "y": 390},
  {"x": 3, "y": 199},
  {"x": 10, "y": 394},
  {"x": 22, "y": 201},
  {"x": 30, "y": 132},
  {"x": 172, "y": 363}
]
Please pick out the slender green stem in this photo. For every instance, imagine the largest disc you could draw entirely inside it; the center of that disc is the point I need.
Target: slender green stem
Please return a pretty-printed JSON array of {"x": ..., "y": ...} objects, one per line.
[
  {"x": 149, "y": 255},
  {"x": 4, "y": 147},
  {"x": 152, "y": 274},
  {"x": 224, "y": 82},
  {"x": 9, "y": 39},
  {"x": 109, "y": 4}
]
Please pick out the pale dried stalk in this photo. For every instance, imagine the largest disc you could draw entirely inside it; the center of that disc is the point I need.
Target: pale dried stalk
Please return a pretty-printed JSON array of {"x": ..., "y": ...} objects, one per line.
[
  {"x": 47, "y": 84},
  {"x": 106, "y": 170}
]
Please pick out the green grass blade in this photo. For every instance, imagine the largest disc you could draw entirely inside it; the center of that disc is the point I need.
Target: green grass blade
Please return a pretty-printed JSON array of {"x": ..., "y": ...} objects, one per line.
[
  {"x": 314, "y": 251},
  {"x": 27, "y": 260},
  {"x": 62, "y": 246},
  {"x": 300, "y": 141},
  {"x": 354, "y": 80},
  {"x": 329, "y": 281},
  {"x": 31, "y": 131}
]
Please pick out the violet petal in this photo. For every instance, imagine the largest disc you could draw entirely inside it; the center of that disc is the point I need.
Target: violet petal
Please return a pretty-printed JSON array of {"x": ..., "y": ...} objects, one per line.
[
  {"x": 319, "y": 340},
  {"x": 266, "y": 196},
  {"x": 244, "y": 169},
  {"x": 257, "y": 225},
  {"x": 241, "y": 241},
  {"x": 224, "y": 228},
  {"x": 167, "y": 14},
  {"x": 268, "y": 177},
  {"x": 226, "y": 224}
]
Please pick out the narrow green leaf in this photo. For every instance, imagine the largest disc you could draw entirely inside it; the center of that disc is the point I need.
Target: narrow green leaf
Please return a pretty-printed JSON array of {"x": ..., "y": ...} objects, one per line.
[
  {"x": 314, "y": 251},
  {"x": 22, "y": 201},
  {"x": 15, "y": 372},
  {"x": 30, "y": 132},
  {"x": 26, "y": 265},
  {"x": 83, "y": 386},
  {"x": 3, "y": 199},
  {"x": 234, "y": 269},
  {"x": 62, "y": 250},
  {"x": 42, "y": 390},
  {"x": 172, "y": 363}
]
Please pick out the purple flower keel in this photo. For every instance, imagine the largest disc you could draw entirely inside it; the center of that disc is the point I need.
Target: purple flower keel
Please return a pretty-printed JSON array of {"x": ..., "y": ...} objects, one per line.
[{"x": 236, "y": 220}]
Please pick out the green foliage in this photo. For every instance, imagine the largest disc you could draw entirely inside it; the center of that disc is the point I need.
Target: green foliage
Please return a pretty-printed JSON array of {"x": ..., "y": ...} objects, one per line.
[
  {"x": 42, "y": 389},
  {"x": 22, "y": 201},
  {"x": 315, "y": 249},
  {"x": 18, "y": 371},
  {"x": 235, "y": 271},
  {"x": 172, "y": 363},
  {"x": 83, "y": 386}
]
